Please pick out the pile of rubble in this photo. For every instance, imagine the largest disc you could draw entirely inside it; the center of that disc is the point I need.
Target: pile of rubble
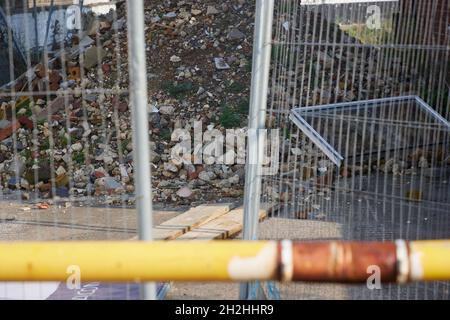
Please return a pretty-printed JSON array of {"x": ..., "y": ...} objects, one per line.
[{"x": 65, "y": 127}]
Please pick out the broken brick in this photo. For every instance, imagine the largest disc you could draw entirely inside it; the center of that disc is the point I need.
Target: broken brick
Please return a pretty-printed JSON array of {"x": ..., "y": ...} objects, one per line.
[
  {"x": 26, "y": 122},
  {"x": 54, "y": 80},
  {"x": 98, "y": 174},
  {"x": 9, "y": 130},
  {"x": 106, "y": 68},
  {"x": 39, "y": 70},
  {"x": 122, "y": 107},
  {"x": 43, "y": 206},
  {"x": 74, "y": 73}
]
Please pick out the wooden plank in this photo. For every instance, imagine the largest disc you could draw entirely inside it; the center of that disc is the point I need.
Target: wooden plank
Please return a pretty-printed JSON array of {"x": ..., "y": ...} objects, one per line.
[
  {"x": 192, "y": 218},
  {"x": 223, "y": 227}
]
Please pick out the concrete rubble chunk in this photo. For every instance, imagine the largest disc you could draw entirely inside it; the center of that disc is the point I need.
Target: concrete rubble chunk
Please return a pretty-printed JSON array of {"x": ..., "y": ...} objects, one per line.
[
  {"x": 236, "y": 34},
  {"x": 170, "y": 15},
  {"x": 211, "y": 10},
  {"x": 55, "y": 106},
  {"x": 93, "y": 56},
  {"x": 184, "y": 192},
  {"x": 221, "y": 64},
  {"x": 86, "y": 41},
  {"x": 9, "y": 130},
  {"x": 175, "y": 59},
  {"x": 196, "y": 12},
  {"x": 166, "y": 110}
]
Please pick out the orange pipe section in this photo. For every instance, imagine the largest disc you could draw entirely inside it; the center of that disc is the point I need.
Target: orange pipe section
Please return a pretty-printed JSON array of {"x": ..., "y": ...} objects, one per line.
[{"x": 343, "y": 261}]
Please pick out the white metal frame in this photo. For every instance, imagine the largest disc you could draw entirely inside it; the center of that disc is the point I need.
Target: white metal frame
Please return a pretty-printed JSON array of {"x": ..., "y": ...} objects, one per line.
[
  {"x": 138, "y": 96},
  {"x": 257, "y": 118},
  {"x": 297, "y": 117}
]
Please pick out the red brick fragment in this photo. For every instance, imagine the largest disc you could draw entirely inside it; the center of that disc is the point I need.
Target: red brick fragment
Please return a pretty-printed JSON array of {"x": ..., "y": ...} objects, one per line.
[
  {"x": 9, "y": 130},
  {"x": 26, "y": 122}
]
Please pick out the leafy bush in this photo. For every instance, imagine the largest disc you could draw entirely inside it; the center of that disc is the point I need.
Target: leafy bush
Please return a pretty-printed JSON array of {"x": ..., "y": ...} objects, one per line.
[
  {"x": 178, "y": 90},
  {"x": 235, "y": 86},
  {"x": 78, "y": 157},
  {"x": 230, "y": 118}
]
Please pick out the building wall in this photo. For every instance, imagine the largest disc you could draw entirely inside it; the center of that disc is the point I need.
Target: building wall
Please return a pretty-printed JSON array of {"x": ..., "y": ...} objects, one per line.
[{"x": 19, "y": 5}]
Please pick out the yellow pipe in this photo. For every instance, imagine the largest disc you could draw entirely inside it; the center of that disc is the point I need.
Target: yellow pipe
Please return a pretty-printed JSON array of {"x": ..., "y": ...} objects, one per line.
[
  {"x": 429, "y": 260},
  {"x": 138, "y": 261},
  {"x": 220, "y": 261}
]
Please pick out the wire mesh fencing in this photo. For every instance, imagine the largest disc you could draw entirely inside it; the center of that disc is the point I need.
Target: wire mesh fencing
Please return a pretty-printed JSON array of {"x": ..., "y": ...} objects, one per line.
[
  {"x": 65, "y": 120},
  {"x": 361, "y": 92},
  {"x": 66, "y": 160}
]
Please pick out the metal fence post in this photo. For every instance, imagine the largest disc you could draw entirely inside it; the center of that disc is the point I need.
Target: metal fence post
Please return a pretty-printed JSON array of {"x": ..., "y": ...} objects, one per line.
[
  {"x": 257, "y": 118},
  {"x": 138, "y": 96}
]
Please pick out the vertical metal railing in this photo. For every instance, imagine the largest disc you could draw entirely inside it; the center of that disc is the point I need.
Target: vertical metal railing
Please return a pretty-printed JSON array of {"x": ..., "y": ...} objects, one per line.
[
  {"x": 257, "y": 119},
  {"x": 138, "y": 95}
]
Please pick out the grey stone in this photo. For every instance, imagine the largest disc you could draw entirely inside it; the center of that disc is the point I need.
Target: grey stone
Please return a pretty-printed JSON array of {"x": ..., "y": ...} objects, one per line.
[
  {"x": 175, "y": 59},
  {"x": 77, "y": 147},
  {"x": 167, "y": 110},
  {"x": 206, "y": 176},
  {"x": 93, "y": 56},
  {"x": 119, "y": 24},
  {"x": 236, "y": 34},
  {"x": 170, "y": 15},
  {"x": 184, "y": 192},
  {"x": 109, "y": 184},
  {"x": 211, "y": 10},
  {"x": 221, "y": 64},
  {"x": 17, "y": 166},
  {"x": 170, "y": 167},
  {"x": 4, "y": 123}
]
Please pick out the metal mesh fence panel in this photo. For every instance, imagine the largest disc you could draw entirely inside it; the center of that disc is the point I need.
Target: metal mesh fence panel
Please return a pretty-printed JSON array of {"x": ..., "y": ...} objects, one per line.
[
  {"x": 66, "y": 144},
  {"x": 360, "y": 91}
]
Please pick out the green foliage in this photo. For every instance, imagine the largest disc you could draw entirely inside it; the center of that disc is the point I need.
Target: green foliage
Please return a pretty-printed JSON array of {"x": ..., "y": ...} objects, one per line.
[
  {"x": 286, "y": 133},
  {"x": 248, "y": 66},
  {"x": 436, "y": 98},
  {"x": 286, "y": 55},
  {"x": 123, "y": 145},
  {"x": 234, "y": 114},
  {"x": 78, "y": 157},
  {"x": 75, "y": 137},
  {"x": 369, "y": 36},
  {"x": 178, "y": 90},
  {"x": 235, "y": 86},
  {"x": 243, "y": 106},
  {"x": 26, "y": 153},
  {"x": 166, "y": 134},
  {"x": 64, "y": 141},
  {"x": 45, "y": 145},
  {"x": 25, "y": 104},
  {"x": 230, "y": 118},
  {"x": 276, "y": 50}
]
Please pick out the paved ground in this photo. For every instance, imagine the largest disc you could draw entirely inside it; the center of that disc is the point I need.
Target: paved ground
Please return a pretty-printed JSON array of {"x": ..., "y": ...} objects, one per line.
[
  {"x": 359, "y": 216},
  {"x": 73, "y": 223},
  {"x": 378, "y": 212},
  {"x": 269, "y": 229}
]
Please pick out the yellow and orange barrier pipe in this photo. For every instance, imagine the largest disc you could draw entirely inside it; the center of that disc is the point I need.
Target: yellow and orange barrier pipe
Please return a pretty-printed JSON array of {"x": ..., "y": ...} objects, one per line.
[{"x": 332, "y": 261}]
